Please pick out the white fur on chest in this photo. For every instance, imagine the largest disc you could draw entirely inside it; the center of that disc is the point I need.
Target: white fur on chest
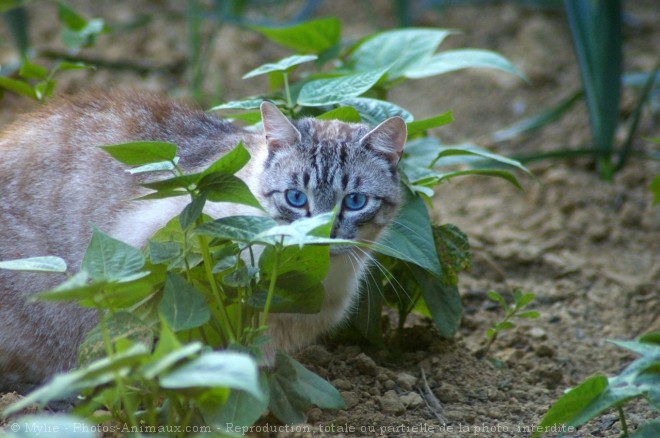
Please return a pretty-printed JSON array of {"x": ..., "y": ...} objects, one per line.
[{"x": 341, "y": 285}]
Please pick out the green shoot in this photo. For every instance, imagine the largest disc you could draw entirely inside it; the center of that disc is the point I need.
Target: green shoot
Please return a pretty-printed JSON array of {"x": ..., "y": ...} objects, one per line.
[{"x": 511, "y": 312}]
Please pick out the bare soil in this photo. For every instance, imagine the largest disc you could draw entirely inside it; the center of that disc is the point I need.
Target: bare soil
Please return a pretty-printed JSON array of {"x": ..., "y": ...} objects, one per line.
[{"x": 590, "y": 250}]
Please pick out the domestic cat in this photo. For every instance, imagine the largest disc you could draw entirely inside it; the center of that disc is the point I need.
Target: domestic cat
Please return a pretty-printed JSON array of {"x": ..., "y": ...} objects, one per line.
[{"x": 55, "y": 181}]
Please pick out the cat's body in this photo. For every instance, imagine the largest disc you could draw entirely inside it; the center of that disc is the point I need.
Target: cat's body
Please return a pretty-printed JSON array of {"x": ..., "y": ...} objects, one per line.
[{"x": 55, "y": 181}]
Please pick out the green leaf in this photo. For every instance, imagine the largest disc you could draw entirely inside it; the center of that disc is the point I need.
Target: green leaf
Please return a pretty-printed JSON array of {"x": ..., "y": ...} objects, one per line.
[
  {"x": 222, "y": 369},
  {"x": 8, "y": 5},
  {"x": 163, "y": 252},
  {"x": 192, "y": 211},
  {"x": 119, "y": 325},
  {"x": 314, "y": 36},
  {"x": 290, "y": 296},
  {"x": 478, "y": 152},
  {"x": 504, "y": 325},
  {"x": 335, "y": 90},
  {"x": 374, "y": 111},
  {"x": 78, "y": 31},
  {"x": 443, "y": 301},
  {"x": 655, "y": 190},
  {"x": 494, "y": 296},
  {"x": 303, "y": 231},
  {"x": 282, "y": 65},
  {"x": 36, "y": 264},
  {"x": 51, "y": 425},
  {"x": 110, "y": 259},
  {"x": 98, "y": 373},
  {"x": 165, "y": 361},
  {"x": 177, "y": 184},
  {"x": 410, "y": 237},
  {"x": 531, "y": 314},
  {"x": 66, "y": 66},
  {"x": 572, "y": 402},
  {"x": 453, "y": 60},
  {"x": 239, "y": 228},
  {"x": 311, "y": 260},
  {"x": 648, "y": 430},
  {"x": 402, "y": 49},
  {"x": 422, "y": 126},
  {"x": 160, "y": 166},
  {"x": 504, "y": 174},
  {"x": 299, "y": 275},
  {"x": 620, "y": 389},
  {"x": 142, "y": 152},
  {"x": 650, "y": 338},
  {"x": 597, "y": 30},
  {"x": 525, "y": 299},
  {"x": 224, "y": 187},
  {"x": 29, "y": 70},
  {"x": 239, "y": 104},
  {"x": 643, "y": 348},
  {"x": 453, "y": 248},
  {"x": 70, "y": 17},
  {"x": 183, "y": 306},
  {"x": 294, "y": 389},
  {"x": 18, "y": 87},
  {"x": 240, "y": 410},
  {"x": 344, "y": 113},
  {"x": 231, "y": 162}
]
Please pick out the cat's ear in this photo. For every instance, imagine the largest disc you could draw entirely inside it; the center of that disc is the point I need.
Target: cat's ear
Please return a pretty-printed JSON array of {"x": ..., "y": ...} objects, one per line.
[
  {"x": 388, "y": 138},
  {"x": 279, "y": 131}
]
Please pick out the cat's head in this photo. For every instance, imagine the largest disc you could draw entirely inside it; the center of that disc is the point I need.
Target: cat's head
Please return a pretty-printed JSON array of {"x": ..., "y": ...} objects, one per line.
[{"x": 314, "y": 166}]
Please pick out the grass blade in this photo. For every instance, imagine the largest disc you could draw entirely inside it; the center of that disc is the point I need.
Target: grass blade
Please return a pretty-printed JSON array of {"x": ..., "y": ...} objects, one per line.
[
  {"x": 626, "y": 149},
  {"x": 597, "y": 37},
  {"x": 537, "y": 121}
]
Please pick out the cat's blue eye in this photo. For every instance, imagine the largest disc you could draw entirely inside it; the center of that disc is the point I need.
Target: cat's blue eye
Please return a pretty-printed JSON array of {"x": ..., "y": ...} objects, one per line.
[
  {"x": 355, "y": 201},
  {"x": 295, "y": 198}
]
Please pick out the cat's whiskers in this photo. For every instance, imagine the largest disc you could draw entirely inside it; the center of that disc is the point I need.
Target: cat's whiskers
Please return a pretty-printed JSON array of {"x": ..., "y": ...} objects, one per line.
[{"x": 397, "y": 287}]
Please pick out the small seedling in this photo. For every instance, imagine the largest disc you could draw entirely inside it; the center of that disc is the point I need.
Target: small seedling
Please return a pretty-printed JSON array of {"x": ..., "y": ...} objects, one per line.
[{"x": 511, "y": 311}]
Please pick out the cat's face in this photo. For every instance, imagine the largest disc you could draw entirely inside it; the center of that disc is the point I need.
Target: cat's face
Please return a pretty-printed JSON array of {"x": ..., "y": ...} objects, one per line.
[{"x": 314, "y": 166}]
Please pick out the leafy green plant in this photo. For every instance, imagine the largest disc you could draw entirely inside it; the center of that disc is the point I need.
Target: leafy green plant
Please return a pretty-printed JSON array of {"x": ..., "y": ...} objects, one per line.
[
  {"x": 231, "y": 273},
  {"x": 597, "y": 394},
  {"x": 36, "y": 81},
  {"x": 512, "y": 311}
]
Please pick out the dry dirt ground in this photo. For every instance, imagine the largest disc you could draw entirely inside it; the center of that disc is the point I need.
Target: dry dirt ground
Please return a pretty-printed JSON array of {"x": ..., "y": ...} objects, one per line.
[{"x": 590, "y": 250}]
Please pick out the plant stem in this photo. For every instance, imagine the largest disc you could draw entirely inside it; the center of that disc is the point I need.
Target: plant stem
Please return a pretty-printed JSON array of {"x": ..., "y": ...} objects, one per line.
[
  {"x": 121, "y": 387},
  {"x": 227, "y": 329},
  {"x": 624, "y": 425},
  {"x": 271, "y": 287},
  {"x": 484, "y": 351},
  {"x": 287, "y": 92}
]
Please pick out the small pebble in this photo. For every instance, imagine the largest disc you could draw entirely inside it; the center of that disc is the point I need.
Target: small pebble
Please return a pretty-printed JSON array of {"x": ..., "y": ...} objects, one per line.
[
  {"x": 412, "y": 400},
  {"x": 391, "y": 404},
  {"x": 350, "y": 398},
  {"x": 406, "y": 381}
]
